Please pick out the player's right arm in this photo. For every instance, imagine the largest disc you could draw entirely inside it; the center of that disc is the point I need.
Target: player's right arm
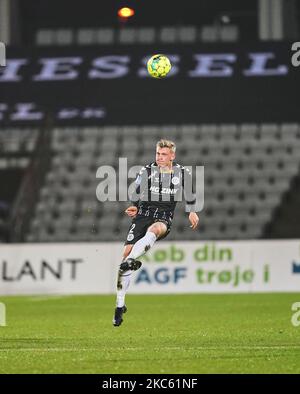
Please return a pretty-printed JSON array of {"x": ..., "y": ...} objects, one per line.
[{"x": 139, "y": 186}]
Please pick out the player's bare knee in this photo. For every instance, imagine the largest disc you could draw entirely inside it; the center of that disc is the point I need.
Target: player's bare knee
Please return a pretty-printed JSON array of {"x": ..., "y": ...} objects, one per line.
[
  {"x": 154, "y": 229},
  {"x": 158, "y": 229}
]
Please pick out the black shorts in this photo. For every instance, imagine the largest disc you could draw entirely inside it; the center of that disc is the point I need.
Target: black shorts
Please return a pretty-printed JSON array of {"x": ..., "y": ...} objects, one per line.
[{"x": 139, "y": 226}]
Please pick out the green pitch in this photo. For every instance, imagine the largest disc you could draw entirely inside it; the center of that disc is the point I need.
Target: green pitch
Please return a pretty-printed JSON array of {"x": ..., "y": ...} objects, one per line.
[{"x": 160, "y": 334}]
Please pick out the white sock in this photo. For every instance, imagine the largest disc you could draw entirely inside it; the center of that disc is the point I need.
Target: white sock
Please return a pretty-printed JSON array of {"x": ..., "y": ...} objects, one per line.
[
  {"x": 125, "y": 281},
  {"x": 139, "y": 248},
  {"x": 143, "y": 245}
]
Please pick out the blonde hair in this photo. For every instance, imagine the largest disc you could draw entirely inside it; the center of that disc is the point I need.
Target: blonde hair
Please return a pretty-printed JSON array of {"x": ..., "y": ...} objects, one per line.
[{"x": 166, "y": 144}]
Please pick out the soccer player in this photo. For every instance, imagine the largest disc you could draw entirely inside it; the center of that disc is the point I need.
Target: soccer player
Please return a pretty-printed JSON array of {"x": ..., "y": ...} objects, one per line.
[{"x": 158, "y": 187}]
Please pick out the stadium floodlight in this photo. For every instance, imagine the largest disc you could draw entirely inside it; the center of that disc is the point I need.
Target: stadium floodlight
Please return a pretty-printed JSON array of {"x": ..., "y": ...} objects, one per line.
[{"x": 125, "y": 13}]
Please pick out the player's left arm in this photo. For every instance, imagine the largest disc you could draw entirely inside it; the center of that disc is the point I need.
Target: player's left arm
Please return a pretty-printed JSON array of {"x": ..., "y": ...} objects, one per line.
[
  {"x": 194, "y": 220},
  {"x": 190, "y": 198}
]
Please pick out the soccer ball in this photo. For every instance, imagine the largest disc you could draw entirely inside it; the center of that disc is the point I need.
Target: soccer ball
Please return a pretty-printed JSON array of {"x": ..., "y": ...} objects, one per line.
[{"x": 158, "y": 66}]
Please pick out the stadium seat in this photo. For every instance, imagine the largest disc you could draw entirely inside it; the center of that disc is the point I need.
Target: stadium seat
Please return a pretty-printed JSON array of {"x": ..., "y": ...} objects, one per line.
[
  {"x": 187, "y": 34},
  {"x": 168, "y": 34},
  {"x": 229, "y": 33},
  {"x": 45, "y": 37},
  {"x": 127, "y": 36},
  {"x": 146, "y": 35},
  {"x": 104, "y": 36},
  {"x": 64, "y": 36},
  {"x": 86, "y": 36},
  {"x": 209, "y": 34}
]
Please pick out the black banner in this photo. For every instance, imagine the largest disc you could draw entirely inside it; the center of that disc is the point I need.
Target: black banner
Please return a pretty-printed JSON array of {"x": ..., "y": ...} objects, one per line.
[
  {"x": 145, "y": 383},
  {"x": 110, "y": 85}
]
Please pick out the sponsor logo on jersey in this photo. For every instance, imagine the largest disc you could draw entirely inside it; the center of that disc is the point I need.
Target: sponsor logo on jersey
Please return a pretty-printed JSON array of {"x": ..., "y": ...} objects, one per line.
[
  {"x": 164, "y": 190},
  {"x": 175, "y": 180}
]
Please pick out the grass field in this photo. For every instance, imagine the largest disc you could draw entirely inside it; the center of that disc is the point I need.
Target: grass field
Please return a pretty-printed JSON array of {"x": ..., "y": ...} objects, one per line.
[{"x": 249, "y": 333}]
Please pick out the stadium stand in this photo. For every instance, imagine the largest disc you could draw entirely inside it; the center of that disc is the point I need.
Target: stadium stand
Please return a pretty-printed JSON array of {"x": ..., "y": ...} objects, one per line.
[
  {"x": 17, "y": 141},
  {"x": 17, "y": 146},
  {"x": 249, "y": 168},
  {"x": 137, "y": 35}
]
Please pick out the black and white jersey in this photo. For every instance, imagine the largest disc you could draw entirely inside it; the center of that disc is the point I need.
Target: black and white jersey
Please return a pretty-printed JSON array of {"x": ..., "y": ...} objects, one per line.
[{"x": 156, "y": 193}]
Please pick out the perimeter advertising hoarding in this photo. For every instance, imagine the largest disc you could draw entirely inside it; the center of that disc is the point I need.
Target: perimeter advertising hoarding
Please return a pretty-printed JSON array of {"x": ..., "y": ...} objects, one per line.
[{"x": 170, "y": 267}]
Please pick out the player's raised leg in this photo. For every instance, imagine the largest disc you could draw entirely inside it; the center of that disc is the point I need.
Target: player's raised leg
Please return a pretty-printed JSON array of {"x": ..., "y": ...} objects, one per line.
[
  {"x": 154, "y": 232},
  {"x": 130, "y": 264}
]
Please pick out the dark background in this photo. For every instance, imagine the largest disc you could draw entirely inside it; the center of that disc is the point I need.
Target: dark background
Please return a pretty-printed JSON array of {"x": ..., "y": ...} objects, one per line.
[{"x": 132, "y": 99}]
